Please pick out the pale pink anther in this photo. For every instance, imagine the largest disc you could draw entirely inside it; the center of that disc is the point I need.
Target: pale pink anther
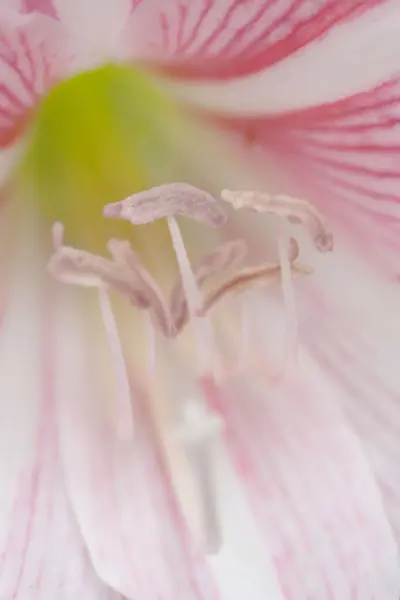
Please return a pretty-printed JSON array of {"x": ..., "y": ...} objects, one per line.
[
  {"x": 250, "y": 277},
  {"x": 125, "y": 274},
  {"x": 219, "y": 262},
  {"x": 166, "y": 201},
  {"x": 156, "y": 302},
  {"x": 287, "y": 207},
  {"x": 81, "y": 268}
]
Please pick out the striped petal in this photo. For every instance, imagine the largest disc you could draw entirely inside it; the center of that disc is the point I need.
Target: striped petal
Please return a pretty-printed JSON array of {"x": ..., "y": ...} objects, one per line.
[
  {"x": 230, "y": 38},
  {"x": 310, "y": 486},
  {"x": 41, "y": 552},
  {"x": 96, "y": 26},
  {"x": 31, "y": 60},
  {"x": 350, "y": 322},
  {"x": 46, "y": 7},
  {"x": 126, "y": 504}
]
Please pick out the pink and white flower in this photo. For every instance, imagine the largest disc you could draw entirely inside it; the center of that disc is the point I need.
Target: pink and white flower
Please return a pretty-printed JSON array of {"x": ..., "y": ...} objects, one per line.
[{"x": 295, "y": 97}]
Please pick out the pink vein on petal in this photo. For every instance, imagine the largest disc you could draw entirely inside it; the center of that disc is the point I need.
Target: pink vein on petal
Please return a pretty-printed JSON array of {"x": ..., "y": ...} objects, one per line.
[
  {"x": 31, "y": 60},
  {"x": 343, "y": 157},
  {"x": 45, "y": 7},
  {"x": 229, "y": 39},
  {"x": 32, "y": 563},
  {"x": 283, "y": 483}
]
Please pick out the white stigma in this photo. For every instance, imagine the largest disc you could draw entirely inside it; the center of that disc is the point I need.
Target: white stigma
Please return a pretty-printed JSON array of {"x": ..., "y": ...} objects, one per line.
[{"x": 198, "y": 431}]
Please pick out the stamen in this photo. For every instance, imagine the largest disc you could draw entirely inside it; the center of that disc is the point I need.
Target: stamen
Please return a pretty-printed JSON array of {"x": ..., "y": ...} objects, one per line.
[
  {"x": 288, "y": 297},
  {"x": 292, "y": 209},
  {"x": 78, "y": 267},
  {"x": 155, "y": 300},
  {"x": 57, "y": 232},
  {"x": 244, "y": 330},
  {"x": 124, "y": 417},
  {"x": 198, "y": 432},
  {"x": 151, "y": 347},
  {"x": 193, "y": 298},
  {"x": 223, "y": 259},
  {"x": 165, "y": 201},
  {"x": 249, "y": 277}
]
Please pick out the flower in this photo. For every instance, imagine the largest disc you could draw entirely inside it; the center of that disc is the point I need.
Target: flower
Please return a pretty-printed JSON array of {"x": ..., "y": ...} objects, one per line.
[{"x": 297, "y": 98}]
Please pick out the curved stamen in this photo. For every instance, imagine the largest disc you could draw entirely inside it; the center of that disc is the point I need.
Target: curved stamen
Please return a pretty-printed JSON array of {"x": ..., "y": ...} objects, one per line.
[
  {"x": 288, "y": 297},
  {"x": 219, "y": 262},
  {"x": 193, "y": 297},
  {"x": 81, "y": 268},
  {"x": 292, "y": 209},
  {"x": 157, "y": 304},
  {"x": 250, "y": 277}
]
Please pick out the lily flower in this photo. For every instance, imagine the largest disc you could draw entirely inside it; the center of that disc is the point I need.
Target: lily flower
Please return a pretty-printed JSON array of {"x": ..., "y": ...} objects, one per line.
[{"x": 222, "y": 440}]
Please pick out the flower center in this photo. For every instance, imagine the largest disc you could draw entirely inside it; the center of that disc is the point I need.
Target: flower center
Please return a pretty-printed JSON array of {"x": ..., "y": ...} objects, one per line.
[{"x": 96, "y": 138}]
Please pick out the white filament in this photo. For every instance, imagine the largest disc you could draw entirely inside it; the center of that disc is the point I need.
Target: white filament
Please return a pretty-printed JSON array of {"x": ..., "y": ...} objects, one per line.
[
  {"x": 288, "y": 299},
  {"x": 151, "y": 347},
  {"x": 194, "y": 300},
  {"x": 244, "y": 329},
  {"x": 57, "y": 233},
  {"x": 124, "y": 417}
]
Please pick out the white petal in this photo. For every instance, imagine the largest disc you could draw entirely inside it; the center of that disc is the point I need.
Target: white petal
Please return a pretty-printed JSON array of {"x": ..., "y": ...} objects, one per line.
[
  {"x": 351, "y": 322},
  {"x": 125, "y": 504},
  {"x": 353, "y": 56},
  {"x": 310, "y": 485},
  {"x": 42, "y": 555},
  {"x": 96, "y": 25}
]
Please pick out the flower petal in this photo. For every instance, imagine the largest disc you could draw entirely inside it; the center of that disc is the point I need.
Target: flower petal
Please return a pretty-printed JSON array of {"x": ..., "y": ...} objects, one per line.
[
  {"x": 350, "y": 320},
  {"x": 95, "y": 24},
  {"x": 45, "y": 7},
  {"x": 273, "y": 56},
  {"x": 41, "y": 553},
  {"x": 343, "y": 157},
  {"x": 125, "y": 504},
  {"x": 31, "y": 59},
  {"x": 310, "y": 486},
  {"x": 245, "y": 37}
]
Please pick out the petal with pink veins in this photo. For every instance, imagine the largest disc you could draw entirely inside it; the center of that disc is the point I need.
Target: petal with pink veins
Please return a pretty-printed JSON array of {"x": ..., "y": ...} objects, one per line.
[
  {"x": 41, "y": 552},
  {"x": 231, "y": 38},
  {"x": 45, "y": 7},
  {"x": 96, "y": 25},
  {"x": 310, "y": 486},
  {"x": 32, "y": 58},
  {"x": 358, "y": 53},
  {"x": 350, "y": 322},
  {"x": 344, "y": 157},
  {"x": 125, "y": 503}
]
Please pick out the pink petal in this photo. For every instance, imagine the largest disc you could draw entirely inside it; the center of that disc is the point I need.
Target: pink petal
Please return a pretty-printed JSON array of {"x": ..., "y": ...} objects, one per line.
[
  {"x": 121, "y": 492},
  {"x": 31, "y": 60},
  {"x": 310, "y": 486},
  {"x": 95, "y": 24},
  {"x": 343, "y": 157},
  {"x": 46, "y": 7},
  {"x": 231, "y": 38},
  {"x": 41, "y": 553},
  {"x": 353, "y": 329},
  {"x": 126, "y": 506}
]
